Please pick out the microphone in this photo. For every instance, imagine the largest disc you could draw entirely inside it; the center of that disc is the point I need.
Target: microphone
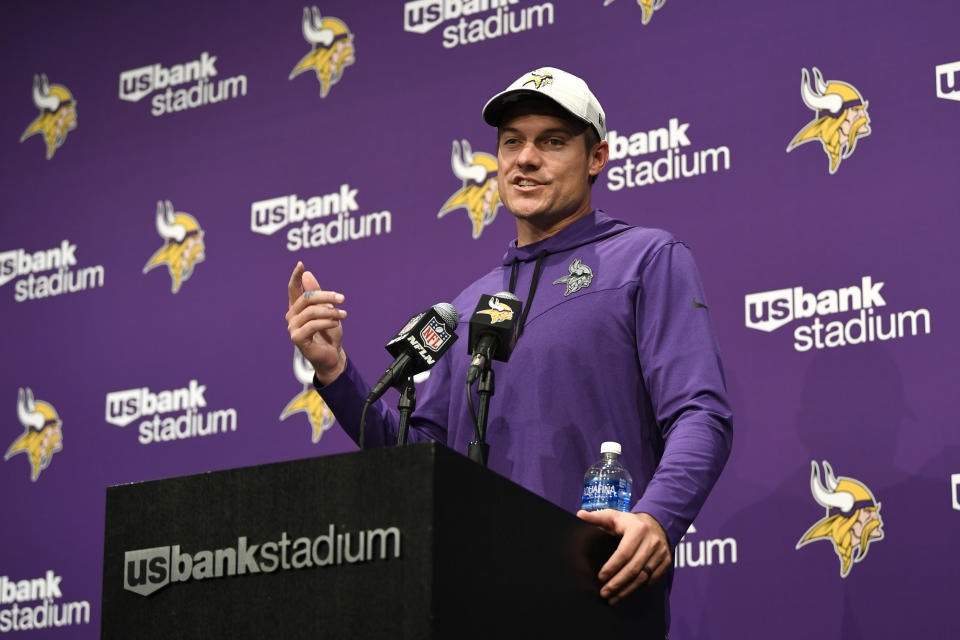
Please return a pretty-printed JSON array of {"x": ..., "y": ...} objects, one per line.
[
  {"x": 493, "y": 331},
  {"x": 417, "y": 346}
]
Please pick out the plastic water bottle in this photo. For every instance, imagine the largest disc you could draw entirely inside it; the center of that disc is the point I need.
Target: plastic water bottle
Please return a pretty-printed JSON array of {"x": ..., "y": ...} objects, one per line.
[{"x": 607, "y": 485}]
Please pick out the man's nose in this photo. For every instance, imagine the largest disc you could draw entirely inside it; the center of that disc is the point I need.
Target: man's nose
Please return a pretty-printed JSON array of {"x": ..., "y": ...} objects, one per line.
[{"x": 528, "y": 156}]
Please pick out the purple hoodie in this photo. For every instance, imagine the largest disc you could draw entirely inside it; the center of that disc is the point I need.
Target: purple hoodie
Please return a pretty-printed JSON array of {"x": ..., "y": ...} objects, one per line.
[{"x": 630, "y": 357}]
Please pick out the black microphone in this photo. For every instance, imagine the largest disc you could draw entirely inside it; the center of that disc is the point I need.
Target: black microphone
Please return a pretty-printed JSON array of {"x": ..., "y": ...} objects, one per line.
[
  {"x": 422, "y": 341},
  {"x": 493, "y": 331}
]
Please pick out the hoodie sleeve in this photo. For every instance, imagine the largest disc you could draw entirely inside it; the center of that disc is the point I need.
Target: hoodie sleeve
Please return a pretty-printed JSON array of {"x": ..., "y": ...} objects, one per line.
[
  {"x": 681, "y": 367},
  {"x": 345, "y": 397}
]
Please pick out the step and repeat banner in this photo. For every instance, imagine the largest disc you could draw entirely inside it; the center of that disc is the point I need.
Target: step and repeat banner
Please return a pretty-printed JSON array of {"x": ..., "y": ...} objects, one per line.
[{"x": 165, "y": 166}]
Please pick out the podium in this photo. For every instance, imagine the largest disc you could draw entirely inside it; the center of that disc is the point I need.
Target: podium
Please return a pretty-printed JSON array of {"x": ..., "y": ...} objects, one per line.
[{"x": 408, "y": 542}]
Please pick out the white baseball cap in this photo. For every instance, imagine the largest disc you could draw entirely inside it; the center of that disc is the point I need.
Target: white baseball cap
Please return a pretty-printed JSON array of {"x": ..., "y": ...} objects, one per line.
[{"x": 566, "y": 89}]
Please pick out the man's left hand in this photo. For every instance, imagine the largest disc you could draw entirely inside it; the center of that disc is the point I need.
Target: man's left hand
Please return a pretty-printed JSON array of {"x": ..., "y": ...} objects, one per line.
[{"x": 642, "y": 557}]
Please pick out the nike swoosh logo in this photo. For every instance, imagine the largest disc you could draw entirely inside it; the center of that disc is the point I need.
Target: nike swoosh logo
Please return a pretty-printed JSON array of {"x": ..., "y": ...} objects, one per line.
[{"x": 698, "y": 305}]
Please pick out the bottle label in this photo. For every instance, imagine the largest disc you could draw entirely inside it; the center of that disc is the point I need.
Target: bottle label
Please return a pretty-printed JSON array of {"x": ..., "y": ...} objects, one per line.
[{"x": 606, "y": 493}]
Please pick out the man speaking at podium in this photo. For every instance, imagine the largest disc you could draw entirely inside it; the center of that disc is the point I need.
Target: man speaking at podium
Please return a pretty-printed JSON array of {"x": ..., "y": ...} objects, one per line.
[{"x": 615, "y": 342}]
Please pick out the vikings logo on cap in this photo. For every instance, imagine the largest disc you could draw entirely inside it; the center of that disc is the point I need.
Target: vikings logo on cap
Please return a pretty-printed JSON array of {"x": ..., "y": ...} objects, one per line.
[
  {"x": 841, "y": 117},
  {"x": 579, "y": 276},
  {"x": 332, "y": 51},
  {"x": 648, "y": 7},
  {"x": 539, "y": 80},
  {"x": 58, "y": 114},
  {"x": 308, "y": 401},
  {"x": 852, "y": 519},
  {"x": 479, "y": 194},
  {"x": 42, "y": 436},
  {"x": 498, "y": 311},
  {"x": 184, "y": 246}
]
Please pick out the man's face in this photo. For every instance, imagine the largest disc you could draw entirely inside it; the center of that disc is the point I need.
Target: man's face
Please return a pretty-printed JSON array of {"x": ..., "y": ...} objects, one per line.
[{"x": 544, "y": 169}]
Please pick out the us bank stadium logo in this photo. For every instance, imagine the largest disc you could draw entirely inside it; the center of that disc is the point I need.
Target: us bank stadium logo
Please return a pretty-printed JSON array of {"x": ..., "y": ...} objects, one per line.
[
  {"x": 169, "y": 415},
  {"x": 42, "y": 434},
  {"x": 57, "y": 117},
  {"x": 318, "y": 221},
  {"x": 840, "y": 117},
  {"x": 852, "y": 519},
  {"x": 770, "y": 310},
  {"x": 660, "y": 155},
  {"x": 183, "y": 244},
  {"x": 948, "y": 81},
  {"x": 478, "y": 194},
  {"x": 48, "y": 272},
  {"x": 469, "y": 21},
  {"x": 308, "y": 401},
  {"x": 647, "y": 6},
  {"x": 333, "y": 49},
  {"x": 146, "y": 571},
  {"x": 703, "y": 553},
  {"x": 37, "y": 603},
  {"x": 180, "y": 87}
]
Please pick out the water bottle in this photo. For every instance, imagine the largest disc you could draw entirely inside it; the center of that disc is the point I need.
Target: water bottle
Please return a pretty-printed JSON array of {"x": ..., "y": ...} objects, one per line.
[{"x": 607, "y": 485}]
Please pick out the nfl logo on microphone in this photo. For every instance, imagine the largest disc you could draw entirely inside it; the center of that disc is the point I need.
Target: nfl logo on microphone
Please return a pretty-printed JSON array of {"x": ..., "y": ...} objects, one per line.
[{"x": 434, "y": 334}]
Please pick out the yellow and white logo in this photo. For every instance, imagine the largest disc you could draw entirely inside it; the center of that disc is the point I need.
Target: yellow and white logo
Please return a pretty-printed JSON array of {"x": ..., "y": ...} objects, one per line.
[
  {"x": 58, "y": 114},
  {"x": 841, "y": 117},
  {"x": 184, "y": 246},
  {"x": 42, "y": 436},
  {"x": 479, "y": 193},
  {"x": 308, "y": 400},
  {"x": 852, "y": 520},
  {"x": 647, "y": 6},
  {"x": 333, "y": 49}
]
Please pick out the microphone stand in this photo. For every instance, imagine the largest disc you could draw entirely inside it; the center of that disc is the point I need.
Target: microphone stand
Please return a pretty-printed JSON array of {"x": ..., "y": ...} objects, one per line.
[
  {"x": 406, "y": 405},
  {"x": 479, "y": 450}
]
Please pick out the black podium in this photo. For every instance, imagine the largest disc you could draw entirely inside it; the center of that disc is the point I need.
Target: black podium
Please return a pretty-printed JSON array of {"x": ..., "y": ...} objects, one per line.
[{"x": 411, "y": 542}]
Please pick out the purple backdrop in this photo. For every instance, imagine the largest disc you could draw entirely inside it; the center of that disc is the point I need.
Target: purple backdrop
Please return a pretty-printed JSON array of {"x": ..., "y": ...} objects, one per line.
[{"x": 827, "y": 277}]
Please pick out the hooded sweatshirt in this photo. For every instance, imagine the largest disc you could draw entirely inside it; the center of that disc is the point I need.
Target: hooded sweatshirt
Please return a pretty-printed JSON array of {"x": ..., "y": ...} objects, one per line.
[{"x": 616, "y": 344}]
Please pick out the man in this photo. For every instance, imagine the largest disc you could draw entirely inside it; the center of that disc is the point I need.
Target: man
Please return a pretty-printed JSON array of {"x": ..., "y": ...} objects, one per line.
[{"x": 615, "y": 344}]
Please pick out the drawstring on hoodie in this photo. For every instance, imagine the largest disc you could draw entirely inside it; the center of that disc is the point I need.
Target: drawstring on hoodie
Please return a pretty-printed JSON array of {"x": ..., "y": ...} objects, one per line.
[{"x": 514, "y": 269}]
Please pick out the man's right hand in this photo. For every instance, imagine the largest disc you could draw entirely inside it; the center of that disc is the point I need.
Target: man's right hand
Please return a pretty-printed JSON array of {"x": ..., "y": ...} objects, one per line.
[{"x": 313, "y": 322}]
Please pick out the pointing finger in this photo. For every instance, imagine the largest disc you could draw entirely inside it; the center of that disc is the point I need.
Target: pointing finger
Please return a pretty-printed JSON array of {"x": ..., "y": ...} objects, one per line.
[{"x": 295, "y": 285}]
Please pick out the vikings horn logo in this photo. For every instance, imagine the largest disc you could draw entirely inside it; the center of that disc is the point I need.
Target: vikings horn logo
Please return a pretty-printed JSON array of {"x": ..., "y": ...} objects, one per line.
[
  {"x": 579, "y": 277},
  {"x": 841, "y": 117},
  {"x": 58, "y": 113},
  {"x": 479, "y": 194},
  {"x": 538, "y": 80},
  {"x": 184, "y": 244},
  {"x": 648, "y": 6},
  {"x": 852, "y": 520},
  {"x": 308, "y": 400},
  {"x": 332, "y": 49},
  {"x": 41, "y": 437},
  {"x": 498, "y": 311}
]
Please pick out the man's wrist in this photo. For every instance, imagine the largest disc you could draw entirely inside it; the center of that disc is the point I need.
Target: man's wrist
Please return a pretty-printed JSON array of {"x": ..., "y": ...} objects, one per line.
[{"x": 322, "y": 379}]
